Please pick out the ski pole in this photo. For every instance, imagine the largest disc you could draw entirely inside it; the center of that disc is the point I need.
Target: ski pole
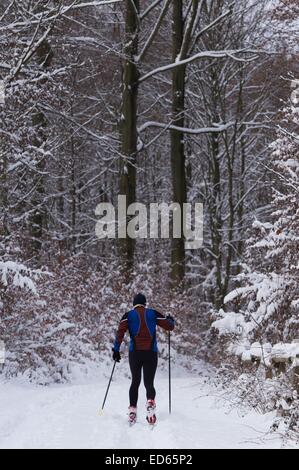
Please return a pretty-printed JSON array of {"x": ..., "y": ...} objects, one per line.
[
  {"x": 108, "y": 387},
  {"x": 169, "y": 371}
]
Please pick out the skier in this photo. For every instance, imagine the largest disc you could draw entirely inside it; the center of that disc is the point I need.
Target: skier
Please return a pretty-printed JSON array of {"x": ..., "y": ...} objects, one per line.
[{"x": 143, "y": 353}]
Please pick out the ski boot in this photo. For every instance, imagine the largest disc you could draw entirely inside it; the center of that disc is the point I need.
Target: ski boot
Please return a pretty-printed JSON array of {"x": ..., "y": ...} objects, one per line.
[
  {"x": 132, "y": 415},
  {"x": 151, "y": 415}
]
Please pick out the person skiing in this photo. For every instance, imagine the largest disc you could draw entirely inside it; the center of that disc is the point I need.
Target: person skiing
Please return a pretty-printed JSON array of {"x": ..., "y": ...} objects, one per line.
[{"x": 143, "y": 352}]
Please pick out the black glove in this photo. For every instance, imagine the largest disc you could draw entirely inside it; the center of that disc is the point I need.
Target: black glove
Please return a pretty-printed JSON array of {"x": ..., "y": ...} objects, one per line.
[
  {"x": 116, "y": 355},
  {"x": 169, "y": 317}
]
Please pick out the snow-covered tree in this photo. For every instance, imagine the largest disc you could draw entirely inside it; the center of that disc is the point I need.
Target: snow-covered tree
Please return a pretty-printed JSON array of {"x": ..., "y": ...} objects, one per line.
[{"x": 267, "y": 299}]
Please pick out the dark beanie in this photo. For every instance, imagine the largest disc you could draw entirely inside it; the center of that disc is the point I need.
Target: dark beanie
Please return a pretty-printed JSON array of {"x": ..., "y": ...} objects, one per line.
[{"x": 139, "y": 299}]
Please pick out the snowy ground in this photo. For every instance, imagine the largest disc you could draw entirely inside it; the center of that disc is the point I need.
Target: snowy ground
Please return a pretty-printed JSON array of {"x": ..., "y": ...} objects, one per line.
[{"x": 68, "y": 417}]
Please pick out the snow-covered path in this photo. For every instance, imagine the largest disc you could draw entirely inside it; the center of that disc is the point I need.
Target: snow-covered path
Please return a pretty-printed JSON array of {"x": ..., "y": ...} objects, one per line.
[{"x": 67, "y": 417}]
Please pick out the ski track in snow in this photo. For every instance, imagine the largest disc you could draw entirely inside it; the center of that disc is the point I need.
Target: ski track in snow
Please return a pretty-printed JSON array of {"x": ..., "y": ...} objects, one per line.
[{"x": 68, "y": 417}]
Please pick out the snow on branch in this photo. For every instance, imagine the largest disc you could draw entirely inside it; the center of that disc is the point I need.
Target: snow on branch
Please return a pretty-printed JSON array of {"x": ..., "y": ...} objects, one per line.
[
  {"x": 240, "y": 291},
  {"x": 29, "y": 52},
  {"x": 154, "y": 31},
  {"x": 19, "y": 275},
  {"x": 229, "y": 323},
  {"x": 149, "y": 9},
  {"x": 91, "y": 4},
  {"x": 201, "y": 55},
  {"x": 56, "y": 13},
  {"x": 203, "y": 130}
]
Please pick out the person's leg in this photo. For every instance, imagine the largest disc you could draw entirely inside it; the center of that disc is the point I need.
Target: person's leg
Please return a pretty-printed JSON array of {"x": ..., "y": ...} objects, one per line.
[
  {"x": 135, "y": 366},
  {"x": 149, "y": 372}
]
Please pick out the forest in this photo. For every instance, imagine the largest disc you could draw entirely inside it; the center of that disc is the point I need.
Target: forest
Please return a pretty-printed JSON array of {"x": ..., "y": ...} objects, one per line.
[{"x": 166, "y": 102}]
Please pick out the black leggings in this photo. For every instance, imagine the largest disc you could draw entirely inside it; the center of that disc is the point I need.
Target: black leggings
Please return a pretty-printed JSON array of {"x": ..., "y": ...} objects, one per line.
[{"x": 148, "y": 361}]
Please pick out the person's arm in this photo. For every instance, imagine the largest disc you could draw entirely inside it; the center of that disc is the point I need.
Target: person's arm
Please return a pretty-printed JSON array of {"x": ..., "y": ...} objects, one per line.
[
  {"x": 123, "y": 326},
  {"x": 167, "y": 323}
]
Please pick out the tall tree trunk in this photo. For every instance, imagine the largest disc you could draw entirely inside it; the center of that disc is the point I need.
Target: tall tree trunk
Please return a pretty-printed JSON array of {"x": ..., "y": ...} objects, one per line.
[
  {"x": 73, "y": 197},
  {"x": 177, "y": 140},
  {"x": 3, "y": 192},
  {"x": 241, "y": 189},
  {"x": 216, "y": 219},
  {"x": 129, "y": 121},
  {"x": 231, "y": 216},
  {"x": 36, "y": 223}
]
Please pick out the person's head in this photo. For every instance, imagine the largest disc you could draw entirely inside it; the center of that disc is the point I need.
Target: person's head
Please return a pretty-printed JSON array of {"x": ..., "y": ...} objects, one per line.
[{"x": 139, "y": 300}]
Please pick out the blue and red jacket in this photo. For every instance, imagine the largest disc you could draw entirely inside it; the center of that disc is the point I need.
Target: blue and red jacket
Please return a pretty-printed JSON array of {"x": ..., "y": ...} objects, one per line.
[{"x": 142, "y": 323}]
